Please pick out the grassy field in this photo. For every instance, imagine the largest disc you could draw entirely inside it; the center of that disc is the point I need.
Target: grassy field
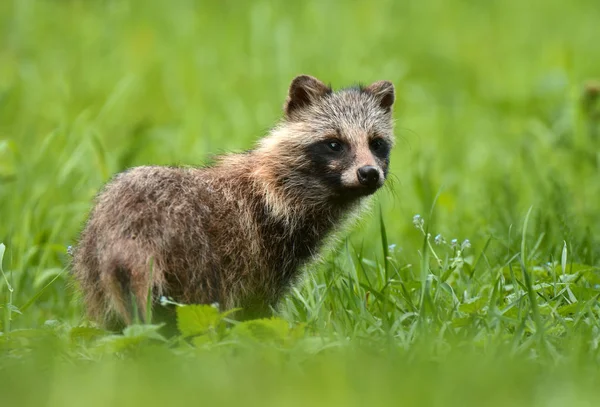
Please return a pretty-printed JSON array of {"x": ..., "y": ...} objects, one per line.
[{"x": 474, "y": 279}]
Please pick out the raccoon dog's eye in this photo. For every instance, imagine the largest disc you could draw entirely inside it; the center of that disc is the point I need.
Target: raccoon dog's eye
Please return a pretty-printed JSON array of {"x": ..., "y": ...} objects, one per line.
[
  {"x": 377, "y": 144},
  {"x": 334, "y": 145}
]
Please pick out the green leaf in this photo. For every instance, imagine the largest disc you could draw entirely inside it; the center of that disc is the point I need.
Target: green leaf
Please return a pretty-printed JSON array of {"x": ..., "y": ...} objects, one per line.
[
  {"x": 472, "y": 305},
  {"x": 461, "y": 322},
  {"x": 40, "y": 292},
  {"x": 2, "y": 250},
  {"x": 86, "y": 333},
  {"x": 202, "y": 341},
  {"x": 197, "y": 319},
  {"x": 266, "y": 330},
  {"x": 143, "y": 331},
  {"x": 133, "y": 337},
  {"x": 384, "y": 244},
  {"x": 43, "y": 277},
  {"x": 13, "y": 308},
  {"x": 569, "y": 309}
]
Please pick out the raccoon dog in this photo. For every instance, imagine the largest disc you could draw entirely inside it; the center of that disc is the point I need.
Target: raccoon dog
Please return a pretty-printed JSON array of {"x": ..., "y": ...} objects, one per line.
[{"x": 237, "y": 232}]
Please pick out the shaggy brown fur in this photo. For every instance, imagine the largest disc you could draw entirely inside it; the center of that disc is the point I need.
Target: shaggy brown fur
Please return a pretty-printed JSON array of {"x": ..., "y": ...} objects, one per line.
[{"x": 238, "y": 232}]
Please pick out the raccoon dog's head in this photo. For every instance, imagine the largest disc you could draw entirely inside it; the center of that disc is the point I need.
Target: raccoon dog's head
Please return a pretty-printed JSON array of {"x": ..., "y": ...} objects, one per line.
[{"x": 333, "y": 145}]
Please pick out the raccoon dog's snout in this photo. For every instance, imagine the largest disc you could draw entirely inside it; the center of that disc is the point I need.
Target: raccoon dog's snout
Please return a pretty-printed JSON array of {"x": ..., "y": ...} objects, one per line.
[{"x": 368, "y": 176}]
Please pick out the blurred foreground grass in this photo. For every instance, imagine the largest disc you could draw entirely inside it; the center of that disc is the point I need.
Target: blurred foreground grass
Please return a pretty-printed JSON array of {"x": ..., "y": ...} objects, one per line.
[{"x": 497, "y": 112}]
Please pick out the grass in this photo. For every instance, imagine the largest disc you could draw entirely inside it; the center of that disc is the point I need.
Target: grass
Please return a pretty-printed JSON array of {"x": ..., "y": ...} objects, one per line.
[{"x": 498, "y": 118}]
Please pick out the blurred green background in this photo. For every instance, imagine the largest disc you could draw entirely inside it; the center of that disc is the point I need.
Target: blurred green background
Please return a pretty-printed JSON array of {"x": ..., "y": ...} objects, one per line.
[{"x": 497, "y": 111}]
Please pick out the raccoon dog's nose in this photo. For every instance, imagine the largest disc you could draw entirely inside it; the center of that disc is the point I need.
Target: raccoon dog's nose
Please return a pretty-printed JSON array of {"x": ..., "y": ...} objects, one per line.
[{"x": 368, "y": 175}]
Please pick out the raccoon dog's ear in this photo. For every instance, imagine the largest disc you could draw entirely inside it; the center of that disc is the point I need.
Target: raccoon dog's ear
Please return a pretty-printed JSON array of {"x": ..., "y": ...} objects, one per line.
[
  {"x": 384, "y": 92},
  {"x": 303, "y": 92}
]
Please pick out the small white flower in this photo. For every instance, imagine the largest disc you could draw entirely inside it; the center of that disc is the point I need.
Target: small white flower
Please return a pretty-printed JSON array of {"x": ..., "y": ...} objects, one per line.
[
  {"x": 439, "y": 239},
  {"x": 70, "y": 250},
  {"x": 454, "y": 243},
  {"x": 465, "y": 245},
  {"x": 418, "y": 221}
]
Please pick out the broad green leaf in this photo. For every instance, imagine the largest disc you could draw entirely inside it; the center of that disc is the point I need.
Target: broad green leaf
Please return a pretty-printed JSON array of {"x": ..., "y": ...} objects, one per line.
[
  {"x": 197, "y": 319},
  {"x": 143, "y": 331},
  {"x": 263, "y": 330},
  {"x": 473, "y": 305},
  {"x": 86, "y": 333}
]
